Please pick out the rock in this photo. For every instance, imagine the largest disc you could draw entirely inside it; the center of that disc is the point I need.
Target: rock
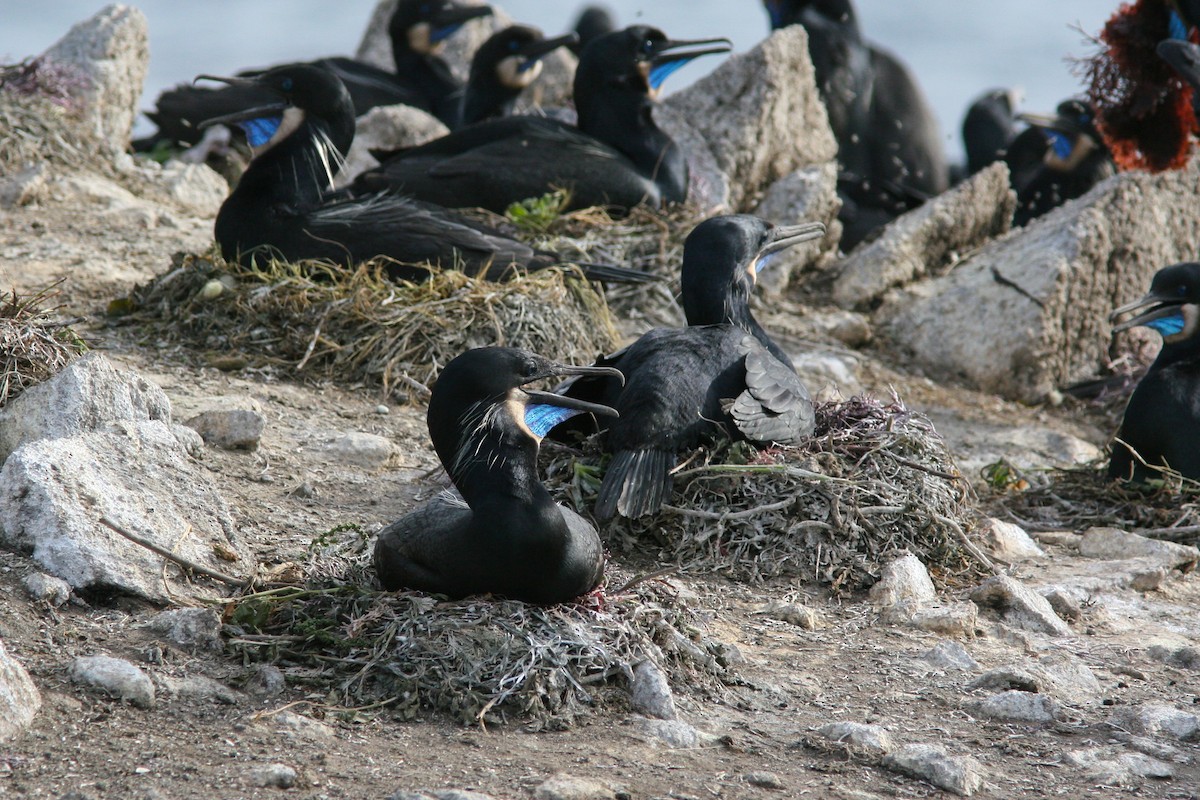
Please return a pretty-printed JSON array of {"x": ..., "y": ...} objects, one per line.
[
  {"x": 1019, "y": 606},
  {"x": 267, "y": 680},
  {"x": 357, "y": 449},
  {"x": 1007, "y": 541},
  {"x": 19, "y": 696},
  {"x": 568, "y": 787},
  {"x": 231, "y": 423},
  {"x": 1117, "y": 769},
  {"x": 54, "y": 492},
  {"x": 1017, "y": 706},
  {"x": 961, "y": 775},
  {"x": 872, "y": 740},
  {"x": 440, "y": 794},
  {"x": 928, "y": 239},
  {"x": 1064, "y": 605},
  {"x": 950, "y": 619},
  {"x": 278, "y": 776},
  {"x": 757, "y": 116},
  {"x": 1150, "y": 580},
  {"x": 109, "y": 52},
  {"x": 1153, "y": 719},
  {"x": 1110, "y": 543},
  {"x": 806, "y": 195},
  {"x": 1183, "y": 656},
  {"x": 1029, "y": 312},
  {"x": 298, "y": 726},
  {"x": 904, "y": 581},
  {"x": 116, "y": 677},
  {"x": 387, "y": 128},
  {"x": 650, "y": 693},
  {"x": 195, "y": 187},
  {"x": 47, "y": 589},
  {"x": 675, "y": 733},
  {"x": 1061, "y": 675},
  {"x": 199, "y": 687},
  {"x": 828, "y": 375},
  {"x": 793, "y": 614},
  {"x": 764, "y": 780},
  {"x": 949, "y": 655},
  {"x": 90, "y": 394},
  {"x": 193, "y": 629},
  {"x": 24, "y": 187}
]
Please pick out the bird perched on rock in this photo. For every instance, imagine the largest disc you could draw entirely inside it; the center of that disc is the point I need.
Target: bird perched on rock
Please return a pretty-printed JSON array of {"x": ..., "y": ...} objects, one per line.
[
  {"x": 617, "y": 156},
  {"x": 285, "y": 206},
  {"x": 1075, "y": 160},
  {"x": 720, "y": 373},
  {"x": 499, "y": 532},
  {"x": 1161, "y": 426}
]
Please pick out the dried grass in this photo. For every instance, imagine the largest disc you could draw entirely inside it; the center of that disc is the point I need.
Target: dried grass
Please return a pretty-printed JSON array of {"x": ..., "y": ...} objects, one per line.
[
  {"x": 873, "y": 480},
  {"x": 33, "y": 346},
  {"x": 480, "y": 661},
  {"x": 359, "y": 326}
]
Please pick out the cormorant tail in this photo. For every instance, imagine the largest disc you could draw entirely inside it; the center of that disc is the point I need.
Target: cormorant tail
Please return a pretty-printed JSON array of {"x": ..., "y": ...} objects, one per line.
[{"x": 637, "y": 483}]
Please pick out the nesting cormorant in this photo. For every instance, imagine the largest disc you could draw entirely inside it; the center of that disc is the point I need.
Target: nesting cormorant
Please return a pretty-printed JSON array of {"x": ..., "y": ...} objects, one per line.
[
  {"x": 418, "y": 30},
  {"x": 1075, "y": 160},
  {"x": 722, "y": 372},
  {"x": 1162, "y": 420},
  {"x": 889, "y": 148},
  {"x": 284, "y": 204},
  {"x": 509, "y": 61},
  {"x": 500, "y": 533},
  {"x": 617, "y": 155},
  {"x": 592, "y": 23}
]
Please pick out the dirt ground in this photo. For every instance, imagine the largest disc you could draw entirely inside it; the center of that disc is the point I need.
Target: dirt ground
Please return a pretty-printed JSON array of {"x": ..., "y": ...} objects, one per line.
[{"x": 856, "y": 668}]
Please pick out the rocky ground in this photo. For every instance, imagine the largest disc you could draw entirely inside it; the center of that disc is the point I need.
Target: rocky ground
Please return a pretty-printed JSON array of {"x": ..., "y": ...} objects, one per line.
[{"x": 1071, "y": 672}]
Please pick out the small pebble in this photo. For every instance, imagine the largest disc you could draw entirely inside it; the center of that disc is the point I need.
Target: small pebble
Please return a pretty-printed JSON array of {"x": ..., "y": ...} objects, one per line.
[
  {"x": 765, "y": 780},
  {"x": 382, "y": 410}
]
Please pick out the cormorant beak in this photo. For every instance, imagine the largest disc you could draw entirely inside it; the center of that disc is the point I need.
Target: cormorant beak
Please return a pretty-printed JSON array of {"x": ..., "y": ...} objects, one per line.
[
  {"x": 668, "y": 56},
  {"x": 543, "y": 410},
  {"x": 257, "y": 112},
  {"x": 451, "y": 16},
  {"x": 781, "y": 238},
  {"x": 1052, "y": 122},
  {"x": 1184, "y": 58},
  {"x": 562, "y": 401},
  {"x": 1157, "y": 307},
  {"x": 532, "y": 51}
]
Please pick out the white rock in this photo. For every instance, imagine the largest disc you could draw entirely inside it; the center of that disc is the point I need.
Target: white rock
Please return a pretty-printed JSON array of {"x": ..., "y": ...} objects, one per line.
[
  {"x": 1064, "y": 604},
  {"x": 1007, "y": 541},
  {"x": 1017, "y": 706},
  {"x": 387, "y": 128},
  {"x": 19, "y": 696},
  {"x": 961, "y": 775},
  {"x": 794, "y": 614},
  {"x": 279, "y": 776},
  {"x": 675, "y": 733},
  {"x": 948, "y": 619},
  {"x": 190, "y": 628},
  {"x": 903, "y": 581},
  {"x": 950, "y": 655},
  {"x": 116, "y": 677},
  {"x": 195, "y": 187},
  {"x": 199, "y": 687},
  {"x": 231, "y": 423},
  {"x": 48, "y": 589},
  {"x": 1117, "y": 769},
  {"x": 568, "y": 787},
  {"x": 1154, "y": 719},
  {"x": 110, "y": 53},
  {"x": 358, "y": 449},
  {"x": 1019, "y": 606},
  {"x": 829, "y": 376},
  {"x": 299, "y": 726},
  {"x": 650, "y": 692},
  {"x": 1062, "y": 676},
  {"x": 1185, "y": 656},
  {"x": 872, "y": 739},
  {"x": 1110, "y": 543}
]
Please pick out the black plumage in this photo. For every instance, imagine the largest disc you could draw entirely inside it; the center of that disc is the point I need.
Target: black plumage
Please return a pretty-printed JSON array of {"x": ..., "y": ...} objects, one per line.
[
  {"x": 988, "y": 128},
  {"x": 500, "y": 532},
  {"x": 617, "y": 155},
  {"x": 721, "y": 373},
  {"x": 502, "y": 67},
  {"x": 284, "y": 205},
  {"x": 592, "y": 23},
  {"x": 1074, "y": 161},
  {"x": 1162, "y": 421}
]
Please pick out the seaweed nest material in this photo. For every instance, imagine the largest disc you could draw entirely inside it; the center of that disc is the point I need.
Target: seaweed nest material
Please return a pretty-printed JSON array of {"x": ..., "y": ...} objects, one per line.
[
  {"x": 358, "y": 326},
  {"x": 481, "y": 661},
  {"x": 33, "y": 346},
  {"x": 873, "y": 480},
  {"x": 39, "y": 117}
]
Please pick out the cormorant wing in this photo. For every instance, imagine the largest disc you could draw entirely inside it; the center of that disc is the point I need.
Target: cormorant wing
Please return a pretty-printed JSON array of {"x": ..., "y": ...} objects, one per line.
[{"x": 775, "y": 407}]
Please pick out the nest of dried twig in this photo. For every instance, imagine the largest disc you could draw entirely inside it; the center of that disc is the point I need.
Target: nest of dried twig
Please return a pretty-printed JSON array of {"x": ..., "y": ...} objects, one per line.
[
  {"x": 480, "y": 661},
  {"x": 33, "y": 346},
  {"x": 873, "y": 480},
  {"x": 39, "y": 120},
  {"x": 359, "y": 326}
]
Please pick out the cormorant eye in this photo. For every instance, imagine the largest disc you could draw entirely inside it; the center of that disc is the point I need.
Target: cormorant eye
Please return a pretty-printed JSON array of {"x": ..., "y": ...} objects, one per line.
[
  {"x": 514, "y": 46},
  {"x": 648, "y": 46},
  {"x": 286, "y": 84},
  {"x": 1182, "y": 290}
]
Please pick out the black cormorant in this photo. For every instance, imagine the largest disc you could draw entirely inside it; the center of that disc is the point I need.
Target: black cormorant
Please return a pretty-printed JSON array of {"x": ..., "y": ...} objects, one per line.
[
  {"x": 284, "y": 204},
  {"x": 500, "y": 533},
  {"x": 1075, "y": 160},
  {"x": 617, "y": 155},
  {"x": 722, "y": 372},
  {"x": 1184, "y": 57},
  {"x": 988, "y": 128},
  {"x": 592, "y": 23},
  {"x": 1162, "y": 420},
  {"x": 502, "y": 67}
]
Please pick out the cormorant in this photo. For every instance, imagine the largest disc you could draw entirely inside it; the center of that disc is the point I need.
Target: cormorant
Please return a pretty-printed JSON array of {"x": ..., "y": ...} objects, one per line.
[
  {"x": 722, "y": 372},
  {"x": 500, "y": 533},
  {"x": 988, "y": 128},
  {"x": 616, "y": 156},
  {"x": 592, "y": 23},
  {"x": 285, "y": 205},
  {"x": 418, "y": 29},
  {"x": 1184, "y": 57},
  {"x": 502, "y": 67},
  {"x": 1162, "y": 420},
  {"x": 1075, "y": 160},
  {"x": 889, "y": 148}
]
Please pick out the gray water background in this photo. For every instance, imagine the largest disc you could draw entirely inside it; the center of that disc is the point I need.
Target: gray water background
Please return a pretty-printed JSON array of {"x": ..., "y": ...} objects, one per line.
[{"x": 957, "y": 48}]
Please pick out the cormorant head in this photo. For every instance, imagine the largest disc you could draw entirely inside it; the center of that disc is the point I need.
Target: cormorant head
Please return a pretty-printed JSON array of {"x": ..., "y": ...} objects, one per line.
[
  {"x": 637, "y": 59},
  {"x": 300, "y": 91},
  {"x": 1184, "y": 58},
  {"x": 593, "y": 22},
  {"x": 721, "y": 260},
  {"x": 988, "y": 127},
  {"x": 1071, "y": 133},
  {"x": 792, "y": 12},
  {"x": 422, "y": 26},
  {"x": 514, "y": 55},
  {"x": 482, "y": 392},
  {"x": 1172, "y": 306}
]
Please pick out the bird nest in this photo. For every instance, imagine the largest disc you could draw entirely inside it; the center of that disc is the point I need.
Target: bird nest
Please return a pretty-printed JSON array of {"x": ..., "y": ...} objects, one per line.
[
  {"x": 358, "y": 326},
  {"x": 40, "y": 119},
  {"x": 33, "y": 346},
  {"x": 481, "y": 661},
  {"x": 873, "y": 480}
]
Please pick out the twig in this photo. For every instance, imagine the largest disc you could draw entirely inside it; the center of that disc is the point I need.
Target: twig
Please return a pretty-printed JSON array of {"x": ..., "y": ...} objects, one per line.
[
  {"x": 967, "y": 543},
  {"x": 180, "y": 560},
  {"x": 649, "y": 576}
]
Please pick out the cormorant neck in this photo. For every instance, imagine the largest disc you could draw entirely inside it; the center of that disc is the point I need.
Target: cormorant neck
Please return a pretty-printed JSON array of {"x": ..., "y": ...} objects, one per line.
[
  {"x": 1173, "y": 353},
  {"x": 299, "y": 170},
  {"x": 731, "y": 307},
  {"x": 486, "y": 97},
  {"x": 494, "y": 459},
  {"x": 429, "y": 73},
  {"x": 624, "y": 121}
]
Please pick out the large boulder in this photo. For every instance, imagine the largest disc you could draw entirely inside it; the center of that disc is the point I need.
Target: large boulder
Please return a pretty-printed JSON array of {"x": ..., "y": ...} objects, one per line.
[
  {"x": 388, "y": 128},
  {"x": 19, "y": 697},
  {"x": 109, "y": 54},
  {"x": 1029, "y": 312}
]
